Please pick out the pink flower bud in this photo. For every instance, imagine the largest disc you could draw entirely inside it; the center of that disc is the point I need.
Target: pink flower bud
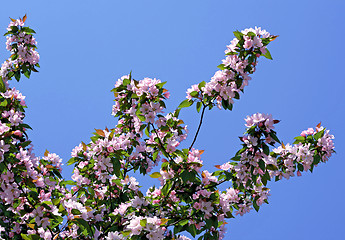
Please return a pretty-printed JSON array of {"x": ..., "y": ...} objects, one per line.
[
  {"x": 166, "y": 94},
  {"x": 18, "y": 133}
]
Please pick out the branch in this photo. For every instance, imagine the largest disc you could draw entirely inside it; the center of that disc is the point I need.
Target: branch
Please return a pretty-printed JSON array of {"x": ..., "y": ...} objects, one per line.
[
  {"x": 197, "y": 132},
  {"x": 160, "y": 142}
]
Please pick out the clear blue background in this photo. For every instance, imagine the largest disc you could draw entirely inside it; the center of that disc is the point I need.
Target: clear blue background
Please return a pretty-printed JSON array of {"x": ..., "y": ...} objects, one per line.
[{"x": 86, "y": 45}]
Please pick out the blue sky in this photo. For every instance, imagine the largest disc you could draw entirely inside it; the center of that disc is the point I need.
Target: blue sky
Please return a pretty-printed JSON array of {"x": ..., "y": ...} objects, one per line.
[{"x": 86, "y": 45}]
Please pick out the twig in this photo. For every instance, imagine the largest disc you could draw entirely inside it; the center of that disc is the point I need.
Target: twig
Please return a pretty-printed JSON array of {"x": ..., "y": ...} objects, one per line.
[
  {"x": 197, "y": 132},
  {"x": 160, "y": 142}
]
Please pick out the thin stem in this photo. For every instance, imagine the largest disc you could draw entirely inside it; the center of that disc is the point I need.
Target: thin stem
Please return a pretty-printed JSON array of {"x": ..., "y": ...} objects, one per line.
[
  {"x": 160, "y": 142},
  {"x": 216, "y": 185},
  {"x": 197, "y": 132}
]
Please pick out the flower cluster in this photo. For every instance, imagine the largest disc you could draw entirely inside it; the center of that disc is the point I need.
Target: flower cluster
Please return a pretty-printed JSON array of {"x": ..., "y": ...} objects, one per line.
[
  {"x": 22, "y": 45},
  {"x": 234, "y": 73},
  {"x": 254, "y": 165}
]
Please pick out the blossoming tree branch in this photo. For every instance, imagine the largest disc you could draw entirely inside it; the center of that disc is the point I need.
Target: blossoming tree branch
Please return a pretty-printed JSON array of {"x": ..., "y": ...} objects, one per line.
[{"x": 103, "y": 200}]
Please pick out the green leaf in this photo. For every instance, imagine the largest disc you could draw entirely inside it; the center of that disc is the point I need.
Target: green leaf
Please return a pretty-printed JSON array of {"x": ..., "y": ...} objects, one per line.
[
  {"x": 300, "y": 138},
  {"x": 319, "y": 134},
  {"x": 262, "y": 165},
  {"x": 56, "y": 201},
  {"x": 185, "y": 151},
  {"x": 17, "y": 75},
  {"x": 57, "y": 173},
  {"x": 72, "y": 160},
  {"x": 10, "y": 74},
  {"x": 2, "y": 85},
  {"x": 162, "y": 104},
  {"x": 271, "y": 167},
  {"x": 14, "y": 57},
  {"x": 46, "y": 204},
  {"x": 192, "y": 230},
  {"x": 177, "y": 112},
  {"x": 198, "y": 106},
  {"x": 28, "y": 30},
  {"x": 91, "y": 191},
  {"x": 317, "y": 159},
  {"x": 84, "y": 224},
  {"x": 27, "y": 73},
  {"x": 143, "y": 222},
  {"x": 141, "y": 117},
  {"x": 117, "y": 167},
  {"x": 194, "y": 94},
  {"x": 142, "y": 127},
  {"x": 34, "y": 195},
  {"x": 178, "y": 228},
  {"x": 267, "y": 55},
  {"x": 3, "y": 103},
  {"x": 184, "y": 222},
  {"x": 241, "y": 151},
  {"x": 256, "y": 207},
  {"x": 231, "y": 53},
  {"x": 229, "y": 215},
  {"x": 266, "y": 149},
  {"x": 2, "y": 167},
  {"x": 147, "y": 132},
  {"x": 221, "y": 67},
  {"x": 14, "y": 29},
  {"x": 7, "y": 33},
  {"x": 236, "y": 158},
  {"x": 25, "y": 126},
  {"x": 266, "y": 177},
  {"x": 75, "y": 212},
  {"x": 187, "y": 176},
  {"x": 274, "y": 136},
  {"x": 126, "y": 82},
  {"x": 160, "y": 85},
  {"x": 212, "y": 222},
  {"x": 69, "y": 182},
  {"x": 185, "y": 103},
  {"x": 225, "y": 104},
  {"x": 154, "y": 155},
  {"x": 238, "y": 35},
  {"x": 166, "y": 188},
  {"x": 26, "y": 237},
  {"x": 201, "y": 85},
  {"x": 125, "y": 233},
  {"x": 25, "y": 144},
  {"x": 251, "y": 34},
  {"x": 155, "y": 175},
  {"x": 237, "y": 95}
]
